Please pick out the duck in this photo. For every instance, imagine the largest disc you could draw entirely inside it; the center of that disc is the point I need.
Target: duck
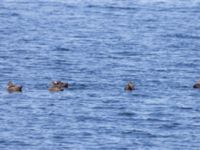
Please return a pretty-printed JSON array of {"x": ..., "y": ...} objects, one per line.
[
  {"x": 55, "y": 89},
  {"x": 129, "y": 86},
  {"x": 60, "y": 84},
  {"x": 197, "y": 84},
  {"x": 13, "y": 88}
]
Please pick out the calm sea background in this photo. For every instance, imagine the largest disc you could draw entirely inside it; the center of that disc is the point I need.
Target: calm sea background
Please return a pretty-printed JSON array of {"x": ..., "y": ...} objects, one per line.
[{"x": 98, "y": 46}]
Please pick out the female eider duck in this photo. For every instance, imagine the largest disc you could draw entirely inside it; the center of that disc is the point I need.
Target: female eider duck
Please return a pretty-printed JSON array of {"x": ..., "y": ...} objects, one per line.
[
  {"x": 13, "y": 88},
  {"x": 197, "y": 85},
  {"x": 129, "y": 87},
  {"x": 58, "y": 86}
]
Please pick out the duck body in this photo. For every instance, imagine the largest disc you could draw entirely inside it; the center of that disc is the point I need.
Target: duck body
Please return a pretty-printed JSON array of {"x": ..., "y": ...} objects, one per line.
[
  {"x": 197, "y": 85},
  {"x": 13, "y": 88},
  {"x": 55, "y": 89},
  {"x": 129, "y": 87}
]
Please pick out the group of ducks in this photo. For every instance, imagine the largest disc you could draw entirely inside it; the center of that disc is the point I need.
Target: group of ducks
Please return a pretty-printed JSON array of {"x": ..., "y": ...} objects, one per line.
[
  {"x": 60, "y": 86},
  {"x": 55, "y": 87}
]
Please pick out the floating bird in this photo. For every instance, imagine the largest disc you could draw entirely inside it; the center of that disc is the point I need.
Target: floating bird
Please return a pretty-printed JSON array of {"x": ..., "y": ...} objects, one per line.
[
  {"x": 129, "y": 86},
  {"x": 13, "y": 88},
  {"x": 197, "y": 84}
]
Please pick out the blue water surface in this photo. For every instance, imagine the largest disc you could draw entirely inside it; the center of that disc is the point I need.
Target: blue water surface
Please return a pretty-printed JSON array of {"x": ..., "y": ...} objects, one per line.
[{"x": 98, "y": 46}]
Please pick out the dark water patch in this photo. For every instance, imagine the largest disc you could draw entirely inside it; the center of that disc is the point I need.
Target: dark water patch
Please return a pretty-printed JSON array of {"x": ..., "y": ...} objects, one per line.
[
  {"x": 127, "y": 114},
  {"x": 160, "y": 113},
  {"x": 9, "y": 14},
  {"x": 170, "y": 126},
  {"x": 90, "y": 119},
  {"x": 151, "y": 21},
  {"x": 79, "y": 86},
  {"x": 23, "y": 108},
  {"x": 183, "y": 36},
  {"x": 184, "y": 108},
  {"x": 9, "y": 143},
  {"x": 140, "y": 134},
  {"x": 62, "y": 49},
  {"x": 111, "y": 7},
  {"x": 158, "y": 120},
  {"x": 197, "y": 109},
  {"x": 187, "y": 65}
]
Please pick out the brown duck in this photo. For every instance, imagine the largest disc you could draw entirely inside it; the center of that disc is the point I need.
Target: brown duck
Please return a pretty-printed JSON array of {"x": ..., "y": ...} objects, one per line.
[
  {"x": 197, "y": 84},
  {"x": 129, "y": 87},
  {"x": 55, "y": 89},
  {"x": 60, "y": 84},
  {"x": 13, "y": 88}
]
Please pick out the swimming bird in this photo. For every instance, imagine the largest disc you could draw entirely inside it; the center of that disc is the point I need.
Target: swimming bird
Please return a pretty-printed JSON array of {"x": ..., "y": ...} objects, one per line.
[
  {"x": 197, "y": 84},
  {"x": 129, "y": 86},
  {"x": 60, "y": 84},
  {"x": 13, "y": 88}
]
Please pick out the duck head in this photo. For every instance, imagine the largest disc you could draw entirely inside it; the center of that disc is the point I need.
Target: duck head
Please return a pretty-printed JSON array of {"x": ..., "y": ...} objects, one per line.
[
  {"x": 60, "y": 84},
  {"x": 129, "y": 86}
]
